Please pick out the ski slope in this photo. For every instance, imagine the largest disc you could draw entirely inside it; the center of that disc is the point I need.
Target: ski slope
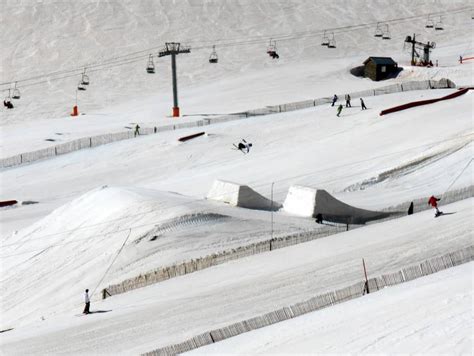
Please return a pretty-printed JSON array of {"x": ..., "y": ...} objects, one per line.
[
  {"x": 150, "y": 191},
  {"x": 417, "y": 318},
  {"x": 180, "y": 308}
]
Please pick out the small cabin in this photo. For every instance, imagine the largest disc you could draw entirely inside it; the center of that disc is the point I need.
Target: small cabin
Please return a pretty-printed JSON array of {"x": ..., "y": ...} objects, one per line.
[{"x": 380, "y": 68}]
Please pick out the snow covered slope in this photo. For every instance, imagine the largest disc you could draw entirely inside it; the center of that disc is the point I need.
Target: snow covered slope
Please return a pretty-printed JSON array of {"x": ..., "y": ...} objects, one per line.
[
  {"x": 417, "y": 318},
  {"x": 168, "y": 312},
  {"x": 154, "y": 199}
]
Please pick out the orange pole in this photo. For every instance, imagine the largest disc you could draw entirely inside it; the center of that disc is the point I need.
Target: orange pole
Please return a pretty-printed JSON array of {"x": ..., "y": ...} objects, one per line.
[{"x": 176, "y": 112}]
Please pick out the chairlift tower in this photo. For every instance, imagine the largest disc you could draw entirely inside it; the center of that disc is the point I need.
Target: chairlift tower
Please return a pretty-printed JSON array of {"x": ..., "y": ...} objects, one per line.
[
  {"x": 172, "y": 49},
  {"x": 426, "y": 47}
]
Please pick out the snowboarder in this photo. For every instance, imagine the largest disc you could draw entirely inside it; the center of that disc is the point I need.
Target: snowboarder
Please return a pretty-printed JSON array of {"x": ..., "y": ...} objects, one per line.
[
  {"x": 87, "y": 301},
  {"x": 348, "y": 101},
  {"x": 433, "y": 201},
  {"x": 339, "y": 109},
  {"x": 410, "y": 209},
  {"x": 362, "y": 104},
  {"x": 244, "y": 146},
  {"x": 334, "y": 99},
  {"x": 137, "y": 130}
]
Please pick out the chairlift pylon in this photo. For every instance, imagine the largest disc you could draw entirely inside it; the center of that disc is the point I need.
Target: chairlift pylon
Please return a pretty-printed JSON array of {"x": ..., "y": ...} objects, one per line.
[
  {"x": 439, "y": 25},
  {"x": 150, "y": 67},
  {"x": 325, "y": 39},
  {"x": 378, "y": 30},
  {"x": 213, "y": 57}
]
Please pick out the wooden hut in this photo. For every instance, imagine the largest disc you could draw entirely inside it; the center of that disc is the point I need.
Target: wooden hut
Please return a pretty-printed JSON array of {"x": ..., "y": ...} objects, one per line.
[{"x": 379, "y": 68}]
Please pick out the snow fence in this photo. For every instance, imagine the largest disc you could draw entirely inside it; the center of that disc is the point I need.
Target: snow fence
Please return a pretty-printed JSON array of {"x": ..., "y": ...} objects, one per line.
[
  {"x": 321, "y": 301},
  {"x": 95, "y": 141},
  {"x": 200, "y": 263}
]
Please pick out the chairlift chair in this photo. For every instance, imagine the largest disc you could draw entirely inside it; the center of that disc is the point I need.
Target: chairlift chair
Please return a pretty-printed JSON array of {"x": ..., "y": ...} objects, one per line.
[
  {"x": 85, "y": 78},
  {"x": 150, "y": 68},
  {"x": 439, "y": 25},
  {"x": 213, "y": 57},
  {"x": 378, "y": 30},
  {"x": 332, "y": 42},
  {"x": 386, "y": 33},
  {"x": 429, "y": 23},
  {"x": 325, "y": 40},
  {"x": 16, "y": 93},
  {"x": 271, "y": 50},
  {"x": 81, "y": 85}
]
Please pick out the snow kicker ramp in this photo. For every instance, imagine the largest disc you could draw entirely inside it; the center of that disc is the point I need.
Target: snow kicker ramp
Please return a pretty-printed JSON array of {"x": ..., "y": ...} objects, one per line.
[
  {"x": 309, "y": 202},
  {"x": 240, "y": 195}
]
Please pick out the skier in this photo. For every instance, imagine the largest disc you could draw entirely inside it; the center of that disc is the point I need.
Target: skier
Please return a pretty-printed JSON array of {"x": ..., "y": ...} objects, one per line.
[
  {"x": 348, "y": 101},
  {"x": 339, "y": 109},
  {"x": 334, "y": 99},
  {"x": 410, "y": 209},
  {"x": 433, "y": 201},
  {"x": 87, "y": 301},
  {"x": 362, "y": 104},
  {"x": 137, "y": 130},
  {"x": 319, "y": 218},
  {"x": 244, "y": 146}
]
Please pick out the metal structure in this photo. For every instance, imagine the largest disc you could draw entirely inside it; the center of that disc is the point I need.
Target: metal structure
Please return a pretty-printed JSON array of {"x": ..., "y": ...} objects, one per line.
[
  {"x": 439, "y": 25},
  {"x": 150, "y": 67},
  {"x": 425, "y": 47},
  {"x": 378, "y": 30},
  {"x": 85, "y": 78},
  {"x": 332, "y": 41},
  {"x": 272, "y": 50},
  {"x": 386, "y": 33},
  {"x": 172, "y": 49},
  {"x": 16, "y": 93},
  {"x": 429, "y": 22},
  {"x": 325, "y": 39},
  {"x": 213, "y": 57}
]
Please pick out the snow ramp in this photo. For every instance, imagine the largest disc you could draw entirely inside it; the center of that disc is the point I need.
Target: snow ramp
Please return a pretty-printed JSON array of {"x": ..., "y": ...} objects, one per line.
[
  {"x": 240, "y": 195},
  {"x": 309, "y": 202},
  {"x": 424, "y": 102}
]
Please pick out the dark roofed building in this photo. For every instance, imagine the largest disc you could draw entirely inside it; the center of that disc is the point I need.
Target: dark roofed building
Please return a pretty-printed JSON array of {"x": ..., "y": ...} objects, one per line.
[{"x": 379, "y": 68}]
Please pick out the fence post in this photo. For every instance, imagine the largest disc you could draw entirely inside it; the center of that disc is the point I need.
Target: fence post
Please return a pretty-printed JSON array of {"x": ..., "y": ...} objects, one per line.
[{"x": 366, "y": 286}]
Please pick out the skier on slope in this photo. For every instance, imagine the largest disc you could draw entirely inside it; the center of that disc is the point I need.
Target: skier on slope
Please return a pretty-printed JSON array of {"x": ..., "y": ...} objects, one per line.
[
  {"x": 362, "y": 104},
  {"x": 339, "y": 109},
  {"x": 244, "y": 146},
  {"x": 87, "y": 302},
  {"x": 334, "y": 99},
  {"x": 433, "y": 201}
]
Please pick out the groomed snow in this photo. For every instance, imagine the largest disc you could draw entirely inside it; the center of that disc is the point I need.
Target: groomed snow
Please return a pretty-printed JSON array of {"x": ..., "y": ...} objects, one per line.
[
  {"x": 150, "y": 191},
  {"x": 429, "y": 316}
]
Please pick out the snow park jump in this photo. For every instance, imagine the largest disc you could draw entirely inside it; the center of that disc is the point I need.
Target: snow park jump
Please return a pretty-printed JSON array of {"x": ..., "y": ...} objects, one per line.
[{"x": 424, "y": 102}]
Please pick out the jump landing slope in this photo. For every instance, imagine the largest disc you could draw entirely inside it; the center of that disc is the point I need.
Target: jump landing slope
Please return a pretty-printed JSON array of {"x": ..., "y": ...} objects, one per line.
[{"x": 306, "y": 201}]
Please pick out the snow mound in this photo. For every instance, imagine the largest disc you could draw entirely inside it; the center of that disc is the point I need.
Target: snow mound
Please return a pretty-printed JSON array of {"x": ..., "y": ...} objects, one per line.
[
  {"x": 309, "y": 202},
  {"x": 240, "y": 195}
]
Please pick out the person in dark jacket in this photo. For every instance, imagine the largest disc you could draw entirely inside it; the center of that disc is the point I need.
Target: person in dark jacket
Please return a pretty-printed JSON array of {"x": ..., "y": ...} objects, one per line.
[
  {"x": 8, "y": 104},
  {"x": 348, "y": 101},
  {"x": 334, "y": 99},
  {"x": 137, "y": 130},
  {"x": 87, "y": 302},
  {"x": 339, "y": 110},
  {"x": 362, "y": 104}
]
